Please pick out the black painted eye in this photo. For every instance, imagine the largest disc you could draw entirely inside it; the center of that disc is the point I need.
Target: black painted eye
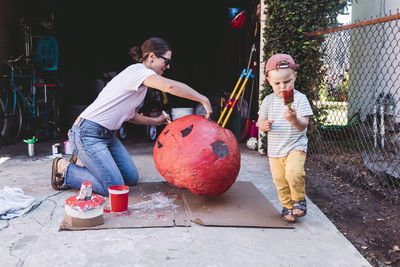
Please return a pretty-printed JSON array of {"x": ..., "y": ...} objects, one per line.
[
  {"x": 185, "y": 132},
  {"x": 159, "y": 144},
  {"x": 166, "y": 132},
  {"x": 220, "y": 149}
]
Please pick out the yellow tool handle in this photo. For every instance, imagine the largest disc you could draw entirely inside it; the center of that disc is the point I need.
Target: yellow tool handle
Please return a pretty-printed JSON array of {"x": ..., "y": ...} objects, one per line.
[
  {"x": 231, "y": 96},
  {"x": 222, "y": 115},
  {"x": 248, "y": 74},
  {"x": 227, "y": 117},
  {"x": 234, "y": 102},
  {"x": 229, "y": 101}
]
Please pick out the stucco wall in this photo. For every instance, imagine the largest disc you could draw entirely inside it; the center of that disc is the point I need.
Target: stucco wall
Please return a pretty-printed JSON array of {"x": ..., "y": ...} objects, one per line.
[{"x": 365, "y": 9}]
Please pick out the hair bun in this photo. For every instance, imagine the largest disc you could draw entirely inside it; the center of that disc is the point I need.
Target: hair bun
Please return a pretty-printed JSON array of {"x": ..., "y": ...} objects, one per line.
[{"x": 136, "y": 54}]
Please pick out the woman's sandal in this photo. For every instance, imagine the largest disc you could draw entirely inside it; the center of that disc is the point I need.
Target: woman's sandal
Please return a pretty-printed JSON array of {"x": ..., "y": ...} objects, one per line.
[
  {"x": 57, "y": 184},
  {"x": 285, "y": 212},
  {"x": 300, "y": 205}
]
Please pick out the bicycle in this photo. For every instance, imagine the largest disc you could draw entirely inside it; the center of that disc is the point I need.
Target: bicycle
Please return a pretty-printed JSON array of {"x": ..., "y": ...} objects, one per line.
[{"x": 16, "y": 106}]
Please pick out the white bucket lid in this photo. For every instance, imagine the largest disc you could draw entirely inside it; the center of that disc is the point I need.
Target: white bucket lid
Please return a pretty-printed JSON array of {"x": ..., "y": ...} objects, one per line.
[{"x": 118, "y": 189}]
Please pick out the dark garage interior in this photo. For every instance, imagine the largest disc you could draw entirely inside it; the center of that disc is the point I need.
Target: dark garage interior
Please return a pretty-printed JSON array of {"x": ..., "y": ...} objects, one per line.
[{"x": 94, "y": 38}]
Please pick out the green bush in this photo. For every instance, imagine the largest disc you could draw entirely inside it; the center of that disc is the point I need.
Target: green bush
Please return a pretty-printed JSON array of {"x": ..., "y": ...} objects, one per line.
[{"x": 285, "y": 25}]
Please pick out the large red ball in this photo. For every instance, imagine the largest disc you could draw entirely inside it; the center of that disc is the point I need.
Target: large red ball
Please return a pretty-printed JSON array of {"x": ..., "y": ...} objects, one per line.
[{"x": 195, "y": 153}]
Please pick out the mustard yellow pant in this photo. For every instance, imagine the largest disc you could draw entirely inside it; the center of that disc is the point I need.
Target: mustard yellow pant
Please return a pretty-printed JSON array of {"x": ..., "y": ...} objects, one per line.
[{"x": 288, "y": 175}]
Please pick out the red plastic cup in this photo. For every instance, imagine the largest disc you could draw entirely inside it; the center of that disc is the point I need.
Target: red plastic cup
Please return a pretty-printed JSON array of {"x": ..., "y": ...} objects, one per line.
[{"x": 118, "y": 197}]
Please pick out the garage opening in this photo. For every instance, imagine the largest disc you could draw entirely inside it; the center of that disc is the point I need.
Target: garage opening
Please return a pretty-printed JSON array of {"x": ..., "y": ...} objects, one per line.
[{"x": 94, "y": 38}]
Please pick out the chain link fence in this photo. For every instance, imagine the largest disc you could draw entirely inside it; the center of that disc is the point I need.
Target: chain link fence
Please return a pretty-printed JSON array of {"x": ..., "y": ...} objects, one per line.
[{"x": 359, "y": 104}]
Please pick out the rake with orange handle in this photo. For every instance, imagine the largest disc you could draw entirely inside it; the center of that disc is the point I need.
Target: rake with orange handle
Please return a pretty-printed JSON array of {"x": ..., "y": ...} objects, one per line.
[{"x": 233, "y": 103}]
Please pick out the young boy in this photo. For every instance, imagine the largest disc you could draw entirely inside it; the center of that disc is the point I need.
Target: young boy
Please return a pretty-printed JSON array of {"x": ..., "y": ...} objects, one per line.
[{"x": 287, "y": 140}]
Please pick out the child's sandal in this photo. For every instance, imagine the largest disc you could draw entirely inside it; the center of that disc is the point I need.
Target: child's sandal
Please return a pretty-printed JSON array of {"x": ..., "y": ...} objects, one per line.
[
  {"x": 285, "y": 212},
  {"x": 300, "y": 205}
]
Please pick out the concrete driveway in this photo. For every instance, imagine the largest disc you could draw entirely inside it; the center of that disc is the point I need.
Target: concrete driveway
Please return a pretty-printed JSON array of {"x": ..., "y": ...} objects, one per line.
[{"x": 34, "y": 240}]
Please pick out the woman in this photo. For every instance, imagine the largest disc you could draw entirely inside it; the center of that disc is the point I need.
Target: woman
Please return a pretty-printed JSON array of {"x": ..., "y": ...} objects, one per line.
[{"x": 105, "y": 161}]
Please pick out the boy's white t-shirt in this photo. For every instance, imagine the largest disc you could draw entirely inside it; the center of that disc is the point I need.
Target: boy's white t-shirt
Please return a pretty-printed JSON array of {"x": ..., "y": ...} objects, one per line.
[
  {"x": 283, "y": 138},
  {"x": 120, "y": 99}
]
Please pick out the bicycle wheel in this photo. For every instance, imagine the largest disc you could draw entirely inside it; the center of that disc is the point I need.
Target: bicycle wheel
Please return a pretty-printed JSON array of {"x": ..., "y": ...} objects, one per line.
[{"x": 12, "y": 119}]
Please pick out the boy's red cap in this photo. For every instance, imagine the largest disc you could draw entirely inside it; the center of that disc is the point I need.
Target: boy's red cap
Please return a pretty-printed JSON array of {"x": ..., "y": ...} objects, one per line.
[{"x": 280, "y": 61}]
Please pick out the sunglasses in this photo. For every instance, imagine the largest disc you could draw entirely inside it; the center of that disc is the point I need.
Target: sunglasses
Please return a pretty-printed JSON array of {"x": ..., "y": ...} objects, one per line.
[{"x": 167, "y": 61}]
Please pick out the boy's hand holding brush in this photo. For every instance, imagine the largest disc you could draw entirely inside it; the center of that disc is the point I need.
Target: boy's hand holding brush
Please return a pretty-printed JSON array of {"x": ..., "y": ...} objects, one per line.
[
  {"x": 300, "y": 123},
  {"x": 288, "y": 99}
]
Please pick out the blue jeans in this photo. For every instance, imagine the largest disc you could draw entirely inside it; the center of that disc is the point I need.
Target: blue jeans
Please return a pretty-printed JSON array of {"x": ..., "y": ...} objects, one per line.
[{"x": 105, "y": 159}]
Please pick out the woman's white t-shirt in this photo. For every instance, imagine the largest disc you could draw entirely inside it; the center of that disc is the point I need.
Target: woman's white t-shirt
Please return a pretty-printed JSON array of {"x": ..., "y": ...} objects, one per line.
[{"x": 120, "y": 99}]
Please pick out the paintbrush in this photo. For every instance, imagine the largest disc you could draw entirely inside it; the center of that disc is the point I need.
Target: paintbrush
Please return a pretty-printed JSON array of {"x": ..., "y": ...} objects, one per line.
[
  {"x": 166, "y": 116},
  {"x": 288, "y": 97}
]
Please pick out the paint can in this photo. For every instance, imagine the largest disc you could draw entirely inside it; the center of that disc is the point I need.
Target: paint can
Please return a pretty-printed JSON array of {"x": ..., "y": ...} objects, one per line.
[
  {"x": 118, "y": 197},
  {"x": 67, "y": 148},
  {"x": 56, "y": 149}
]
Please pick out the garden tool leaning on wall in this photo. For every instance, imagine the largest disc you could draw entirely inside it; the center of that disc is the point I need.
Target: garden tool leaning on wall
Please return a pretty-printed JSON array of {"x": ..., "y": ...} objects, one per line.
[
  {"x": 252, "y": 60},
  {"x": 248, "y": 123},
  {"x": 233, "y": 98}
]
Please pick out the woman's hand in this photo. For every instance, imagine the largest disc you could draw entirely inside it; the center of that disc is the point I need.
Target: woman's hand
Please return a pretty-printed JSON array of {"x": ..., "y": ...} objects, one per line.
[
  {"x": 146, "y": 120},
  {"x": 178, "y": 89},
  {"x": 207, "y": 106},
  {"x": 162, "y": 119}
]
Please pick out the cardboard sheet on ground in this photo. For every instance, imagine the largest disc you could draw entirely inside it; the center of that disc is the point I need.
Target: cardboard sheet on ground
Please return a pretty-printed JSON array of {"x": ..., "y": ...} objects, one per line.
[{"x": 160, "y": 204}]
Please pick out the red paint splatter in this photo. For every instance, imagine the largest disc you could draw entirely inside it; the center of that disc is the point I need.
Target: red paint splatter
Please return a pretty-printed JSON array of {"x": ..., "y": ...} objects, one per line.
[
  {"x": 123, "y": 213},
  {"x": 84, "y": 205}
]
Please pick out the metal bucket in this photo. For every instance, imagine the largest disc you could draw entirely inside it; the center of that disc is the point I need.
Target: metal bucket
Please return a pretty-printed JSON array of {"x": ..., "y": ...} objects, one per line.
[{"x": 180, "y": 112}]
